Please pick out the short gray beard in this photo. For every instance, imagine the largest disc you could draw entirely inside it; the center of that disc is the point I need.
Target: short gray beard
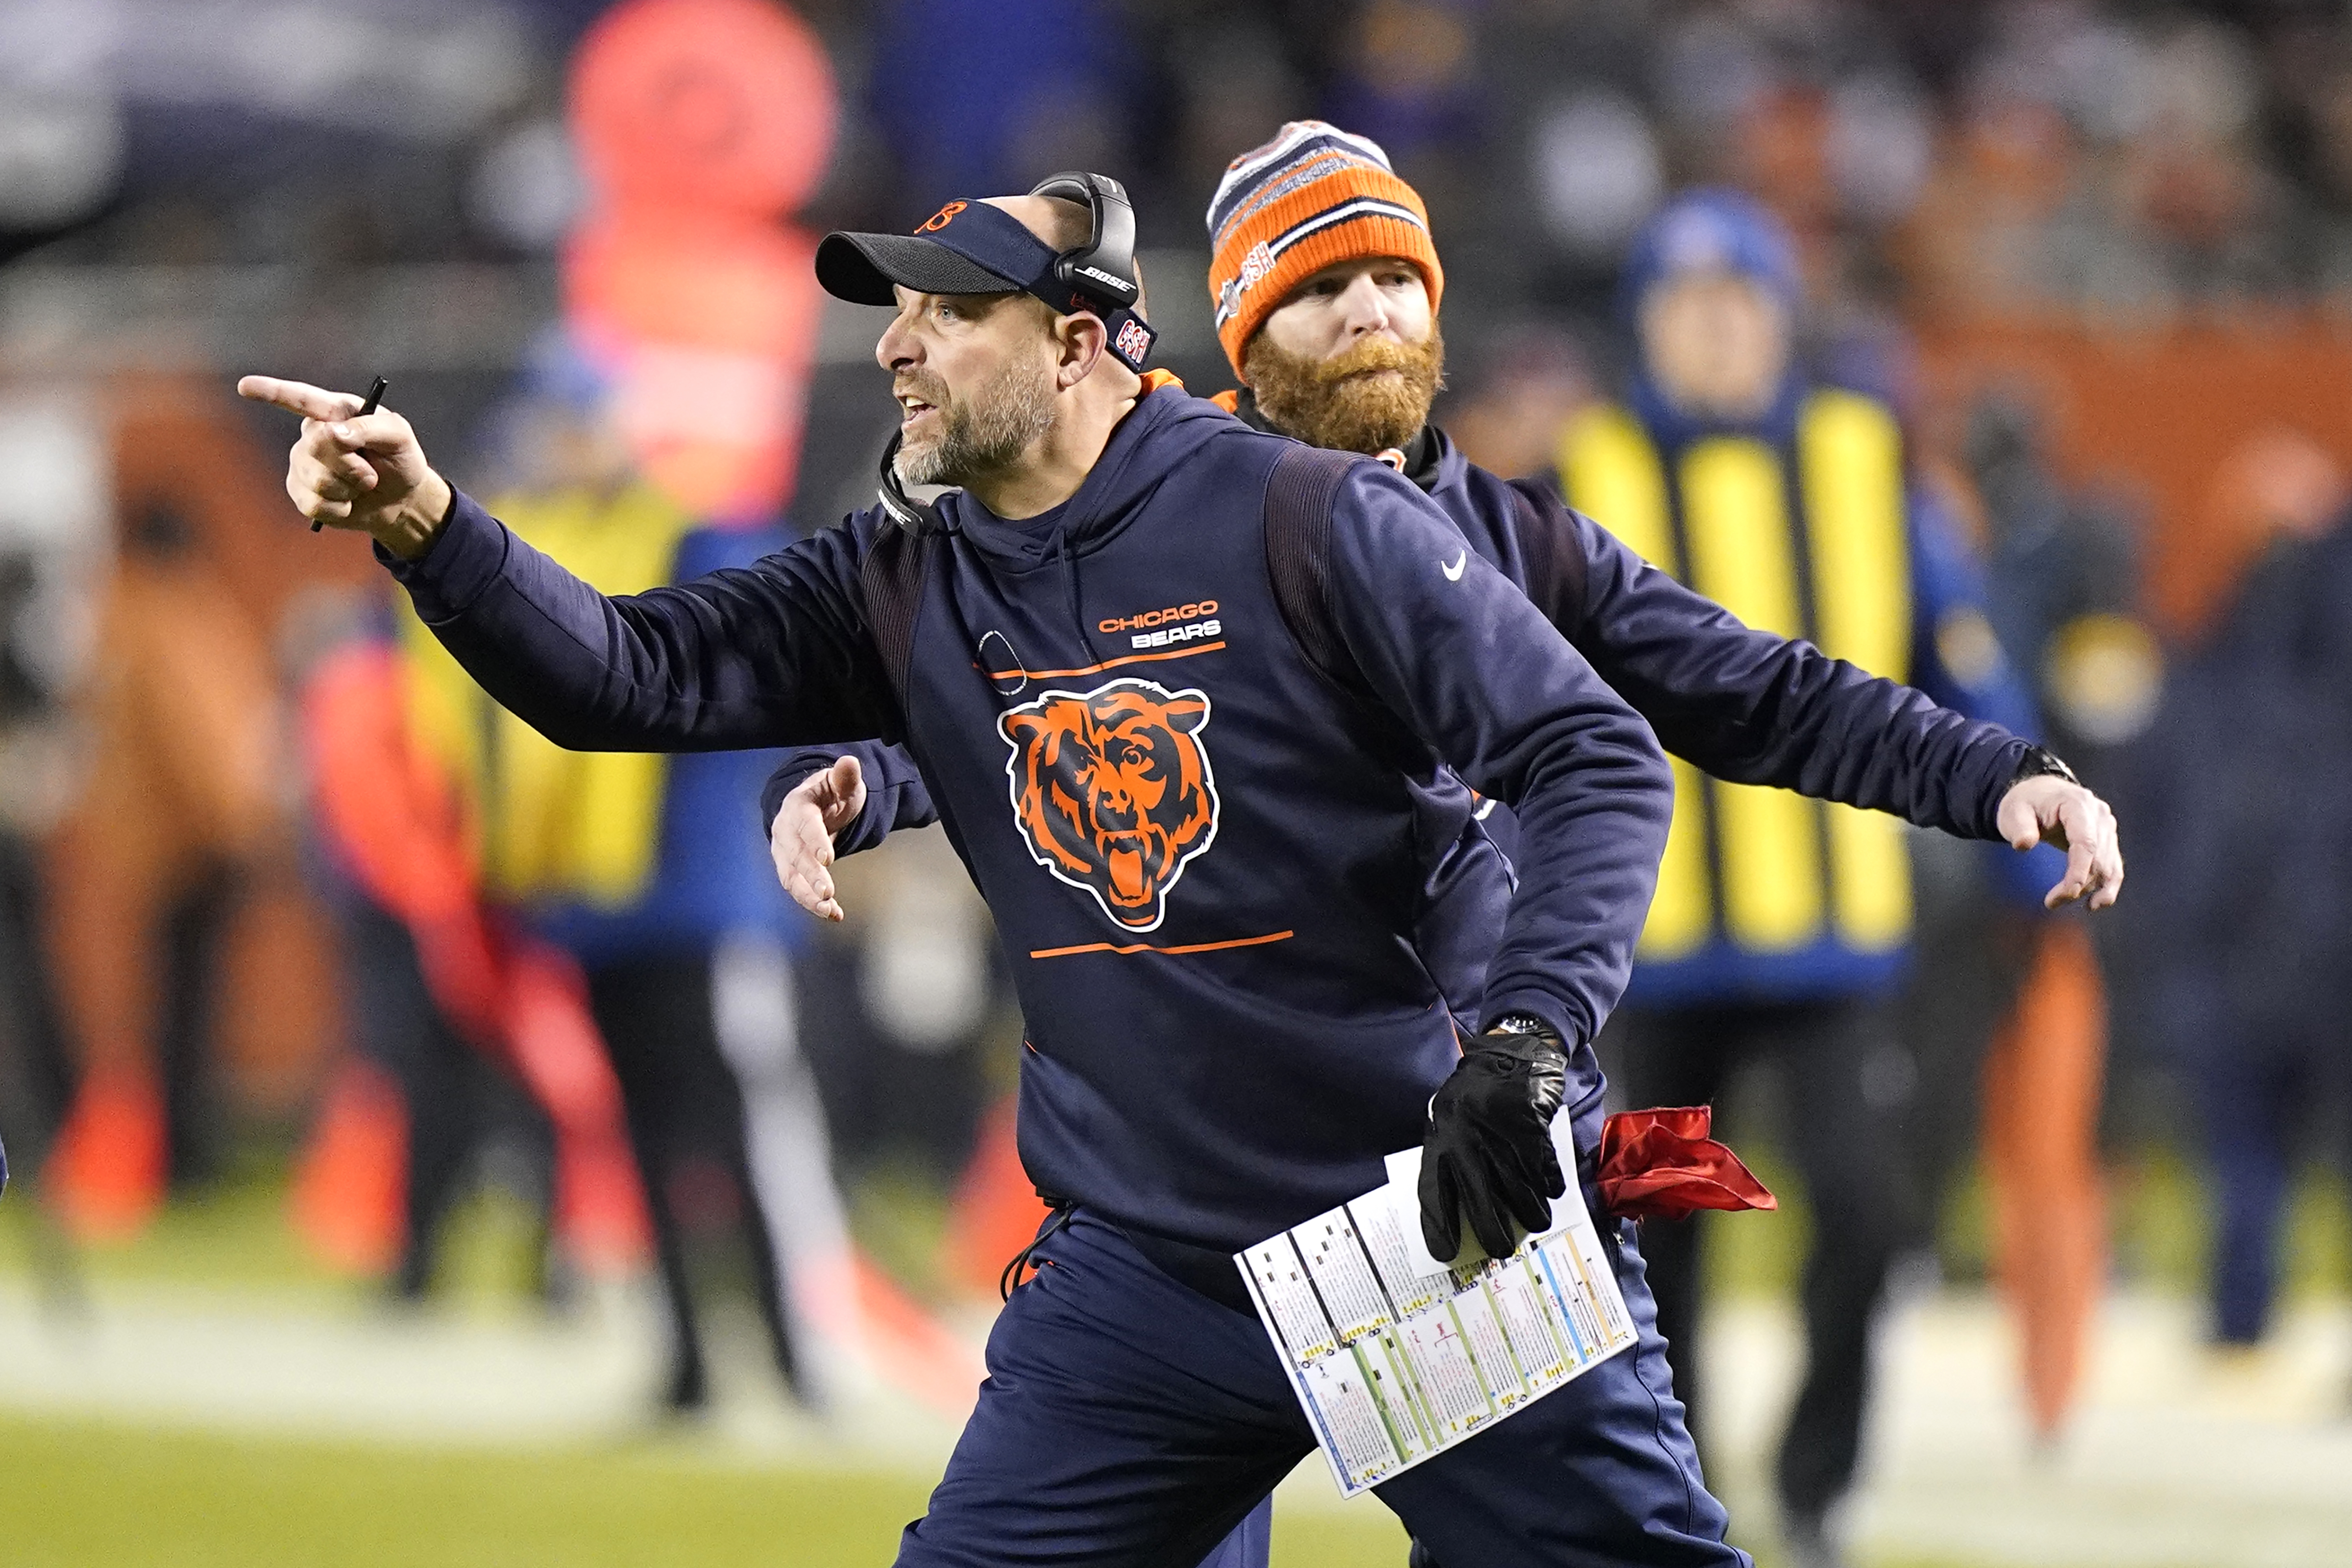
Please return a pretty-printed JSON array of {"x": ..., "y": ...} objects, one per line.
[{"x": 984, "y": 433}]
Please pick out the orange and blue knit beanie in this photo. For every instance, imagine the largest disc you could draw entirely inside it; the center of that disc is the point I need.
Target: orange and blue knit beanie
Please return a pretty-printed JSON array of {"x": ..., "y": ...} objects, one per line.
[{"x": 1313, "y": 195}]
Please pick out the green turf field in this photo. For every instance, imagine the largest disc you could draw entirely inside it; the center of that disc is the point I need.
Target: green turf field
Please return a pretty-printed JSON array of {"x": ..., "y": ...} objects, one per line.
[
  {"x": 88, "y": 1496},
  {"x": 79, "y": 1495}
]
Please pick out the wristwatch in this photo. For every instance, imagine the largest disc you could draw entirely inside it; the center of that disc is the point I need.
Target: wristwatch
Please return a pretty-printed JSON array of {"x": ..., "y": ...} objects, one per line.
[
  {"x": 1510, "y": 1024},
  {"x": 2040, "y": 761}
]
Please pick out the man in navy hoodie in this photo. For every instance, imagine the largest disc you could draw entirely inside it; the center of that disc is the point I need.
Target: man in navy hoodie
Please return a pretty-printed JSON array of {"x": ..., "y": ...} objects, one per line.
[{"x": 1206, "y": 876}]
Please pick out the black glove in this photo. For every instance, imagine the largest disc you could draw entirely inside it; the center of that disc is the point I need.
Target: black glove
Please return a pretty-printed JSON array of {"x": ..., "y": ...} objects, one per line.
[{"x": 1488, "y": 1159}]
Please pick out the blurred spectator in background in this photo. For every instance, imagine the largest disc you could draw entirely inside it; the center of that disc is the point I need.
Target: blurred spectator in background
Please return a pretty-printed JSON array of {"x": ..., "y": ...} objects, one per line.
[
  {"x": 2257, "y": 745},
  {"x": 180, "y": 809},
  {"x": 195, "y": 984},
  {"x": 2006, "y": 1011},
  {"x": 650, "y": 871},
  {"x": 444, "y": 992},
  {"x": 2068, "y": 584},
  {"x": 1779, "y": 923}
]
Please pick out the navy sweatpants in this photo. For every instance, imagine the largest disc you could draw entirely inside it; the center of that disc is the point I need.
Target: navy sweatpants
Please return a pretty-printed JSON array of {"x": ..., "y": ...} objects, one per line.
[{"x": 1127, "y": 1419}]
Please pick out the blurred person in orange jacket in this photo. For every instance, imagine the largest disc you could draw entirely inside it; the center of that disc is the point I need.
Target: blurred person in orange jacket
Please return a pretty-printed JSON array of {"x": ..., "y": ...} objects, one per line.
[
  {"x": 431, "y": 995},
  {"x": 182, "y": 806}
]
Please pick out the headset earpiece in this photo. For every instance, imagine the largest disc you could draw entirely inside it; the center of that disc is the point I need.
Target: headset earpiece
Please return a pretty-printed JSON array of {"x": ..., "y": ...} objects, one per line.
[
  {"x": 1103, "y": 269},
  {"x": 1100, "y": 274}
]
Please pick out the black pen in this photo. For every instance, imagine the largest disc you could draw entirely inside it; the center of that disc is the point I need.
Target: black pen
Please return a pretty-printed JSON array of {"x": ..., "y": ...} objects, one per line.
[{"x": 375, "y": 396}]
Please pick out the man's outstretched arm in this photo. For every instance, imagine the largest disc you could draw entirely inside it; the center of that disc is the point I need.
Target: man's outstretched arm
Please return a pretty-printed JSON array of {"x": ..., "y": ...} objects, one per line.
[
  {"x": 1751, "y": 707},
  {"x": 775, "y": 654}
]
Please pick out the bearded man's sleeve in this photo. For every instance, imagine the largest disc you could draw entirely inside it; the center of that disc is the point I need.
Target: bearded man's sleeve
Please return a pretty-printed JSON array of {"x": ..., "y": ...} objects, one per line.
[{"x": 1752, "y": 707}]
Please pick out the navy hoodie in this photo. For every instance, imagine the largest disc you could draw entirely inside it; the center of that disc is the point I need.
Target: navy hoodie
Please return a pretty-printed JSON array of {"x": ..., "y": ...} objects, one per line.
[
  {"x": 1204, "y": 858},
  {"x": 1744, "y": 705}
]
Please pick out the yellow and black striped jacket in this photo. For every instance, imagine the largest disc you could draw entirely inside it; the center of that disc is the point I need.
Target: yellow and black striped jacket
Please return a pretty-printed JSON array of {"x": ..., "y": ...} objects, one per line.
[{"x": 1816, "y": 537}]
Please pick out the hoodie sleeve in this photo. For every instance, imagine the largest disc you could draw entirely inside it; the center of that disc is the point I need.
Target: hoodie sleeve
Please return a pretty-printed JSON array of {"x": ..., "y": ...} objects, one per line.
[
  {"x": 1471, "y": 667},
  {"x": 895, "y": 796},
  {"x": 1754, "y": 708},
  {"x": 772, "y": 654}
]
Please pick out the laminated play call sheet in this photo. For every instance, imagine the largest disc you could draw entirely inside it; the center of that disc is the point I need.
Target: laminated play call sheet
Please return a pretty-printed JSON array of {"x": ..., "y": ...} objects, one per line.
[{"x": 1396, "y": 1356}]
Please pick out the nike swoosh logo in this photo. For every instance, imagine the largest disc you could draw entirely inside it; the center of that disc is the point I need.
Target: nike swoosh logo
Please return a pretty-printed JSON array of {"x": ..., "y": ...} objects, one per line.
[{"x": 1453, "y": 572}]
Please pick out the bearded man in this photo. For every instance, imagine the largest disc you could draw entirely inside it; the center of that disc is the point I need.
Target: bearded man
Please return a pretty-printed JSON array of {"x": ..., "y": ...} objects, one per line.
[{"x": 1326, "y": 285}]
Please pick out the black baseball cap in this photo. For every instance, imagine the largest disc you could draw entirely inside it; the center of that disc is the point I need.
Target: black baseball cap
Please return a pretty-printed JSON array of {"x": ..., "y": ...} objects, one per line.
[
  {"x": 970, "y": 247},
  {"x": 965, "y": 247}
]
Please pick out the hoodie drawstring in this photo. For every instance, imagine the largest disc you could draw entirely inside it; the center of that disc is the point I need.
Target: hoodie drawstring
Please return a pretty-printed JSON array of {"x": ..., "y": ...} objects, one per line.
[{"x": 1070, "y": 586}]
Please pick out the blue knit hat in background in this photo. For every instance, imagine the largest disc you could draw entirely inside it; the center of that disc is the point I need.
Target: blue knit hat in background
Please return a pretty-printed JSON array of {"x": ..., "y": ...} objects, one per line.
[{"x": 1711, "y": 231}]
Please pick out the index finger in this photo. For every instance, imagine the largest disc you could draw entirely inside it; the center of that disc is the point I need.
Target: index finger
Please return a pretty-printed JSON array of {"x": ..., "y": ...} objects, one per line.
[
  {"x": 299, "y": 397},
  {"x": 2077, "y": 879}
]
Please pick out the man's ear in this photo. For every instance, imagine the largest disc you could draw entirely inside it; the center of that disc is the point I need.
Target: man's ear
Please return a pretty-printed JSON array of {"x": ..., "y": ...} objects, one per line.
[{"x": 1080, "y": 341}]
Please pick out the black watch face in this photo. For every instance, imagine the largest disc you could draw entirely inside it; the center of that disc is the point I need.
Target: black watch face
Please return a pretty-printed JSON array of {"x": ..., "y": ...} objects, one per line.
[{"x": 2043, "y": 762}]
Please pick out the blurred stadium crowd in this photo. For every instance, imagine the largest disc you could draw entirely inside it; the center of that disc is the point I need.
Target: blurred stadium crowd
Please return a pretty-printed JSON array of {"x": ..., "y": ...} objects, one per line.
[{"x": 278, "y": 889}]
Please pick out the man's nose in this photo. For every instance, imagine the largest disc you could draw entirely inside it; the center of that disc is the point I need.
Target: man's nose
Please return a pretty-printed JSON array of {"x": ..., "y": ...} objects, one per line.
[
  {"x": 896, "y": 346},
  {"x": 1364, "y": 309}
]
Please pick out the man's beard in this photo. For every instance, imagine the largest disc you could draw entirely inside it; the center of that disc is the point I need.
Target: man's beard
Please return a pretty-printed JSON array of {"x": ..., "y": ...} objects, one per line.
[
  {"x": 982, "y": 434},
  {"x": 1335, "y": 403}
]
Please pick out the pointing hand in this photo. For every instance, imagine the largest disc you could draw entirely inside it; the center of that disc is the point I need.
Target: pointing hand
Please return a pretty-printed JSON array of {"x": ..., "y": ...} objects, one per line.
[{"x": 361, "y": 473}]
